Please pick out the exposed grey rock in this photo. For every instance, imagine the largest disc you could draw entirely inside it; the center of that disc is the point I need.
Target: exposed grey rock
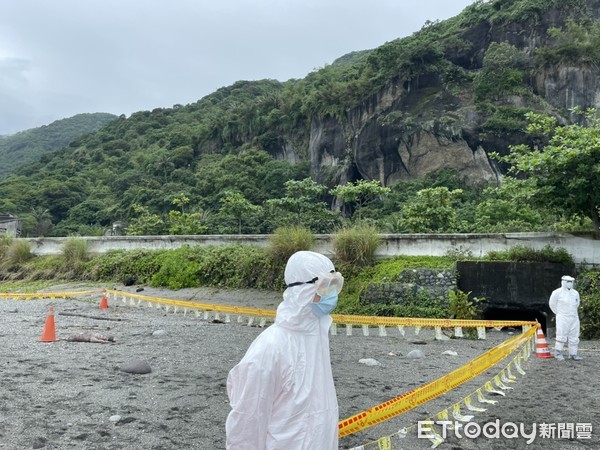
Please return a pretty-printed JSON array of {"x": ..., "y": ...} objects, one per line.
[
  {"x": 137, "y": 366},
  {"x": 369, "y": 362},
  {"x": 415, "y": 354}
]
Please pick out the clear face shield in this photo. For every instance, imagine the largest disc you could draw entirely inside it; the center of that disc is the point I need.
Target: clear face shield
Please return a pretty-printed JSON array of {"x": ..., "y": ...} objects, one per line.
[
  {"x": 326, "y": 284},
  {"x": 329, "y": 284},
  {"x": 567, "y": 281}
]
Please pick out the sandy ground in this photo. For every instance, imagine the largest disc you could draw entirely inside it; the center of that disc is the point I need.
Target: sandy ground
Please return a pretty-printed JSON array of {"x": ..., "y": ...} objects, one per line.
[{"x": 62, "y": 395}]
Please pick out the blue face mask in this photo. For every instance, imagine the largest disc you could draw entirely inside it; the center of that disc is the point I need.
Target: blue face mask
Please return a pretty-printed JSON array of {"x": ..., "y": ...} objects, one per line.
[{"x": 325, "y": 305}]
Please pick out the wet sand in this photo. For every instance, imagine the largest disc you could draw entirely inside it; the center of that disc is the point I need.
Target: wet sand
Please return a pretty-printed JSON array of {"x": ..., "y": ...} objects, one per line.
[{"x": 63, "y": 395}]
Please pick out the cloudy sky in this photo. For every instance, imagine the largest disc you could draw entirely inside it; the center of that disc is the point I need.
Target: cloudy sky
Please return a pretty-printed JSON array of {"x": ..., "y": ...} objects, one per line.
[{"x": 59, "y": 58}]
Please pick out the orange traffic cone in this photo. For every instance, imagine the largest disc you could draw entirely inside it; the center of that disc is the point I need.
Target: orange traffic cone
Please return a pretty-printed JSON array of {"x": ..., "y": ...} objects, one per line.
[
  {"x": 104, "y": 302},
  {"x": 541, "y": 346},
  {"x": 49, "y": 333}
]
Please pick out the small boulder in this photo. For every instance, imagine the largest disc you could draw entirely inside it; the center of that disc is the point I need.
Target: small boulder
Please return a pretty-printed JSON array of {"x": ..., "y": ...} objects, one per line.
[
  {"x": 415, "y": 354},
  {"x": 369, "y": 362},
  {"x": 137, "y": 366}
]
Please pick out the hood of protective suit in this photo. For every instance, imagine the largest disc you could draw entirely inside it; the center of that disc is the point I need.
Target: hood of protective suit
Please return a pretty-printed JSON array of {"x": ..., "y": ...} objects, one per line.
[
  {"x": 566, "y": 282},
  {"x": 294, "y": 312}
]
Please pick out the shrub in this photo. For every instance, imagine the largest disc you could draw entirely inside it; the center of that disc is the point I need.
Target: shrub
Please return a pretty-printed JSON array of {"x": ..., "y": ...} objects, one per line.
[
  {"x": 461, "y": 307},
  {"x": 286, "y": 241},
  {"x": 91, "y": 230},
  {"x": 177, "y": 270},
  {"x": 357, "y": 245},
  {"x": 231, "y": 266},
  {"x": 527, "y": 254},
  {"x": 127, "y": 267},
  {"x": 588, "y": 284}
]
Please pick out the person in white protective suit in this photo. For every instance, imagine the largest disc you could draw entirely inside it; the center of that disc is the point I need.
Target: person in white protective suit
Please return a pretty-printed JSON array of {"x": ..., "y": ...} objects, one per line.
[
  {"x": 282, "y": 393},
  {"x": 564, "y": 302}
]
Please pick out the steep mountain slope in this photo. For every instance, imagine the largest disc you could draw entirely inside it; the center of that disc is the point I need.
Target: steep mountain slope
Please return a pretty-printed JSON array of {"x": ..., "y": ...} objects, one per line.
[{"x": 28, "y": 146}]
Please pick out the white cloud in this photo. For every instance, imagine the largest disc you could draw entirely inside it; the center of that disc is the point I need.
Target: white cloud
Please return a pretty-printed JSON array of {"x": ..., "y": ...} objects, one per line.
[{"x": 63, "y": 57}]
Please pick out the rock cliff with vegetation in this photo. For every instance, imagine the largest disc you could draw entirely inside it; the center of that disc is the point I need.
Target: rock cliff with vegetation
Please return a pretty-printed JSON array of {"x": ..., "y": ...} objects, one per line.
[{"x": 436, "y": 102}]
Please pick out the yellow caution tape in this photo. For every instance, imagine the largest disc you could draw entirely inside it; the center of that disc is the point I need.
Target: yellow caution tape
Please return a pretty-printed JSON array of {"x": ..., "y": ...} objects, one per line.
[
  {"x": 427, "y": 392},
  {"x": 418, "y": 322},
  {"x": 45, "y": 295},
  {"x": 444, "y": 416},
  {"x": 201, "y": 306},
  {"x": 337, "y": 318}
]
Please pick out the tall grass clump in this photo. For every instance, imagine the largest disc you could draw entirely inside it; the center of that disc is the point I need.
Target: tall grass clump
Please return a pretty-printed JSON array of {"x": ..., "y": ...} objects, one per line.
[
  {"x": 75, "y": 252},
  {"x": 356, "y": 245},
  {"x": 285, "y": 241},
  {"x": 4, "y": 244},
  {"x": 18, "y": 252}
]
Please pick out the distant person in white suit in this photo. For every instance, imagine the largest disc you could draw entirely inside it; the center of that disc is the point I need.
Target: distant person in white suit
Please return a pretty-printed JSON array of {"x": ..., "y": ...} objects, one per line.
[{"x": 564, "y": 302}]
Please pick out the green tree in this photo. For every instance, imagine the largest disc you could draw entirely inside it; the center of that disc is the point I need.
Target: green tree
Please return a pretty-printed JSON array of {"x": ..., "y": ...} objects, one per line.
[
  {"x": 361, "y": 193},
  {"x": 162, "y": 163},
  {"x": 253, "y": 173},
  {"x": 432, "y": 210},
  {"x": 503, "y": 72},
  {"x": 182, "y": 222},
  {"x": 236, "y": 205},
  {"x": 564, "y": 172},
  {"x": 573, "y": 44},
  {"x": 185, "y": 223},
  {"x": 42, "y": 221},
  {"x": 146, "y": 223},
  {"x": 303, "y": 205},
  {"x": 507, "y": 209}
]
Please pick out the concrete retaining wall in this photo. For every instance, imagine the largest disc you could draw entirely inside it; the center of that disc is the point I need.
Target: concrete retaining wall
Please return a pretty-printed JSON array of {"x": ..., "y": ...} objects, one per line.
[{"x": 584, "y": 247}]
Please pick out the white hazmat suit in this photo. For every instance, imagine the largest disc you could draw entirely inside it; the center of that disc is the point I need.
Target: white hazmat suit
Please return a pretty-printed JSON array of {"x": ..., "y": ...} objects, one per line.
[
  {"x": 282, "y": 393},
  {"x": 564, "y": 302}
]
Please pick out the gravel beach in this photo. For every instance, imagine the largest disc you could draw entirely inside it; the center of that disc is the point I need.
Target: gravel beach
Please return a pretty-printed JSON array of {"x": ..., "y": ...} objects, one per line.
[{"x": 73, "y": 395}]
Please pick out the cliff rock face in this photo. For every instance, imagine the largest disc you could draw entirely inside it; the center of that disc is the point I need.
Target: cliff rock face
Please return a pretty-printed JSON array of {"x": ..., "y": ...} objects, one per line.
[
  {"x": 376, "y": 143},
  {"x": 568, "y": 86},
  {"x": 412, "y": 127}
]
